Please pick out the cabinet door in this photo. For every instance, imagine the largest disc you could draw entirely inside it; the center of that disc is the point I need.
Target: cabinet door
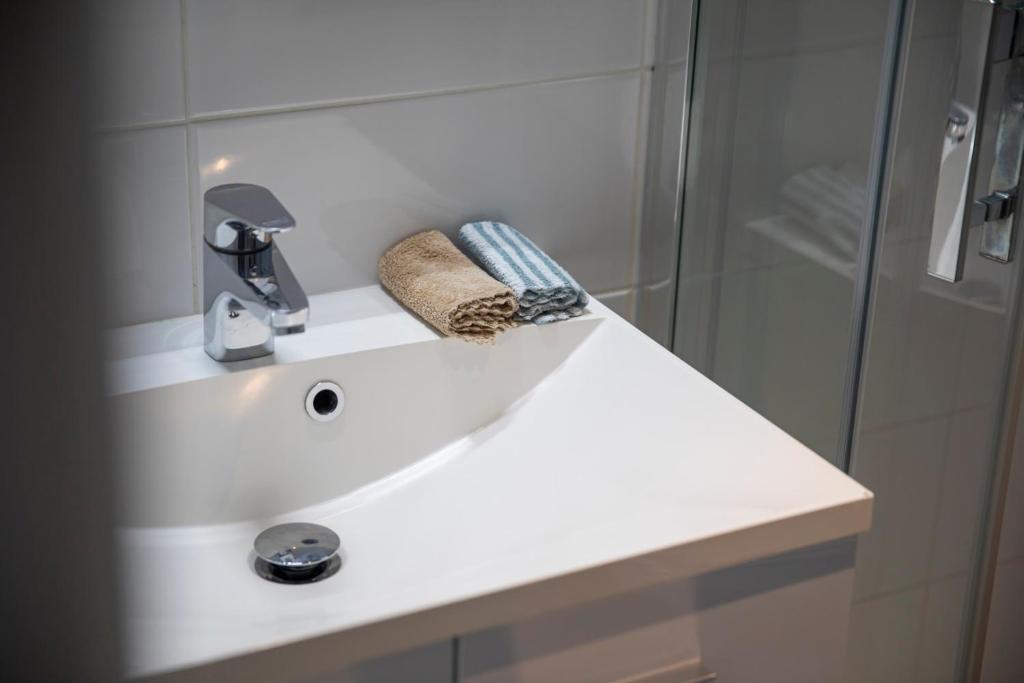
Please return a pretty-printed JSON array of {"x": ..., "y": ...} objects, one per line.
[
  {"x": 783, "y": 618},
  {"x": 428, "y": 664}
]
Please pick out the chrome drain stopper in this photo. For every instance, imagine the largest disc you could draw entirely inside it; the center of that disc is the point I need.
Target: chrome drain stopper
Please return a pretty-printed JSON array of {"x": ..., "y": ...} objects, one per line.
[{"x": 297, "y": 553}]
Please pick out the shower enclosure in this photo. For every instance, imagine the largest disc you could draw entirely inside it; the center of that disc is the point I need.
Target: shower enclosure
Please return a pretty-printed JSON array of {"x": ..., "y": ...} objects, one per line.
[{"x": 828, "y": 235}]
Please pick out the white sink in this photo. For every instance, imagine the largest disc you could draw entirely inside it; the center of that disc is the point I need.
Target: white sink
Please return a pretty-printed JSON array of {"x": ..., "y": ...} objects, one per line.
[{"x": 469, "y": 485}]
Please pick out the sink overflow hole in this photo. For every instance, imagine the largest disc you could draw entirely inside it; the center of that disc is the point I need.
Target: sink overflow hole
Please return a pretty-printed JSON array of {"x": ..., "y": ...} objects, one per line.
[{"x": 325, "y": 401}]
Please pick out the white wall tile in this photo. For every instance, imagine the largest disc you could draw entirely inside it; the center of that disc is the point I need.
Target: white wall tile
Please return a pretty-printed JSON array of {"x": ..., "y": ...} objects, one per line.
[
  {"x": 941, "y": 629},
  {"x": 144, "y": 209},
  {"x": 884, "y": 638},
  {"x": 903, "y": 466},
  {"x": 654, "y": 311},
  {"x": 1003, "y": 659},
  {"x": 793, "y": 374},
  {"x": 1011, "y": 539},
  {"x": 139, "y": 62},
  {"x": 914, "y": 335},
  {"x": 555, "y": 160},
  {"x": 965, "y": 475},
  {"x": 788, "y": 26},
  {"x": 250, "y": 53}
]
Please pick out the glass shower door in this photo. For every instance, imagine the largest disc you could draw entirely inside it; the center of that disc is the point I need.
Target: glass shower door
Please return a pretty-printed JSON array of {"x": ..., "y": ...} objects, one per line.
[
  {"x": 775, "y": 203},
  {"x": 938, "y": 349},
  {"x": 817, "y": 129}
]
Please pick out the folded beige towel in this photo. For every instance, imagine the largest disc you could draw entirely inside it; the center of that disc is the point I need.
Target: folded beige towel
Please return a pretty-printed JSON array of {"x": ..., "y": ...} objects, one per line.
[{"x": 429, "y": 274}]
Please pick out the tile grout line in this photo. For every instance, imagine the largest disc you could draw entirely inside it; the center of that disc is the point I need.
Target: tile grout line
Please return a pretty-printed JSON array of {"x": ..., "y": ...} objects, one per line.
[
  {"x": 190, "y": 159},
  {"x": 947, "y": 414},
  {"x": 231, "y": 114},
  {"x": 921, "y": 584},
  {"x": 144, "y": 125}
]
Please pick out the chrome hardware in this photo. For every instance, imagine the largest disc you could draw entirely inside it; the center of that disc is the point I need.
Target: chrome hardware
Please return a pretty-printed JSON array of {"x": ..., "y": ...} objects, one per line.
[
  {"x": 956, "y": 126},
  {"x": 997, "y": 234},
  {"x": 241, "y": 218},
  {"x": 997, "y": 206},
  {"x": 298, "y": 552},
  {"x": 249, "y": 292},
  {"x": 982, "y": 141}
]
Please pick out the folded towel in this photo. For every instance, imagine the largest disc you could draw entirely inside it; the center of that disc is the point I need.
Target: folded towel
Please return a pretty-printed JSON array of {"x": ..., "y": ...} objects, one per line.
[
  {"x": 828, "y": 203},
  {"x": 546, "y": 292},
  {"x": 427, "y": 273}
]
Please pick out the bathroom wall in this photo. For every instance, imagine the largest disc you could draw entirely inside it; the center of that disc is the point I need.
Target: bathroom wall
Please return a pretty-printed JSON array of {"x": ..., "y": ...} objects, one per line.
[{"x": 371, "y": 120}]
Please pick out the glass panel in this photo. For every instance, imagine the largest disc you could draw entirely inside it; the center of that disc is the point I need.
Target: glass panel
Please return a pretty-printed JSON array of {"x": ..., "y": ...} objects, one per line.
[
  {"x": 784, "y": 104},
  {"x": 930, "y": 399},
  {"x": 782, "y": 124}
]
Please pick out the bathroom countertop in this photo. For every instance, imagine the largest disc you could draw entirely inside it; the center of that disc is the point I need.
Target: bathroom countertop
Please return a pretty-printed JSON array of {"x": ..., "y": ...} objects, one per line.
[{"x": 622, "y": 468}]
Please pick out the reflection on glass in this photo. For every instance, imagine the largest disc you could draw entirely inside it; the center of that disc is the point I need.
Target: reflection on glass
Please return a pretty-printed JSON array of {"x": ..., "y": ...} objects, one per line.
[
  {"x": 820, "y": 215},
  {"x": 775, "y": 201}
]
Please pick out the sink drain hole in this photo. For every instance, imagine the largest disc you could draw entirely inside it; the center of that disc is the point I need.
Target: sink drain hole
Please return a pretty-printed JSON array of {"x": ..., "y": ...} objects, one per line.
[
  {"x": 279, "y": 574},
  {"x": 296, "y": 552}
]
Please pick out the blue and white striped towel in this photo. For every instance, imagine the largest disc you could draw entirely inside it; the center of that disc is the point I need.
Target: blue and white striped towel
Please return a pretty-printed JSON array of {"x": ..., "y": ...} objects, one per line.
[{"x": 546, "y": 292}]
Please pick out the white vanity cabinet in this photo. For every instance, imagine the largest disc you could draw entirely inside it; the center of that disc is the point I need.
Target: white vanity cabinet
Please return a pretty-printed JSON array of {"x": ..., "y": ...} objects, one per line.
[
  {"x": 432, "y": 663},
  {"x": 783, "y": 618},
  {"x": 778, "y": 619}
]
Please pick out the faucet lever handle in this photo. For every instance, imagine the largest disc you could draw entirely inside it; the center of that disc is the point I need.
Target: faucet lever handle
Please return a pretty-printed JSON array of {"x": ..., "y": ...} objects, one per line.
[{"x": 240, "y": 217}]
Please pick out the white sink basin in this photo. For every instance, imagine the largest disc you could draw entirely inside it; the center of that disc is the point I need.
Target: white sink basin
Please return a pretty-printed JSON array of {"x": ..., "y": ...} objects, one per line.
[
  {"x": 241, "y": 446},
  {"x": 469, "y": 485}
]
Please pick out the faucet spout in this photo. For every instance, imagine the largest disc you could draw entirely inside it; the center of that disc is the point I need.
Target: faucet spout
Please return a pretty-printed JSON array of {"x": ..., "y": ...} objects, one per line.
[
  {"x": 250, "y": 294},
  {"x": 289, "y": 306}
]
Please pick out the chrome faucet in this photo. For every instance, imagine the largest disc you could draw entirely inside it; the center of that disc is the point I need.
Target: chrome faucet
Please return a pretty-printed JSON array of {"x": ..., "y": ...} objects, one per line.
[{"x": 249, "y": 292}]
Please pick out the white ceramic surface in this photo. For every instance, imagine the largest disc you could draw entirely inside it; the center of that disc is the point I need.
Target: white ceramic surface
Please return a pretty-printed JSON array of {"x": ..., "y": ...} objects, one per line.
[{"x": 470, "y": 485}]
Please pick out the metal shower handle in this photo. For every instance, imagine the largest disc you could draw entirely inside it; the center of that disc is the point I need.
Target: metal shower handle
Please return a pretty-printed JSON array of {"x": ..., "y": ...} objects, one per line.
[{"x": 982, "y": 141}]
